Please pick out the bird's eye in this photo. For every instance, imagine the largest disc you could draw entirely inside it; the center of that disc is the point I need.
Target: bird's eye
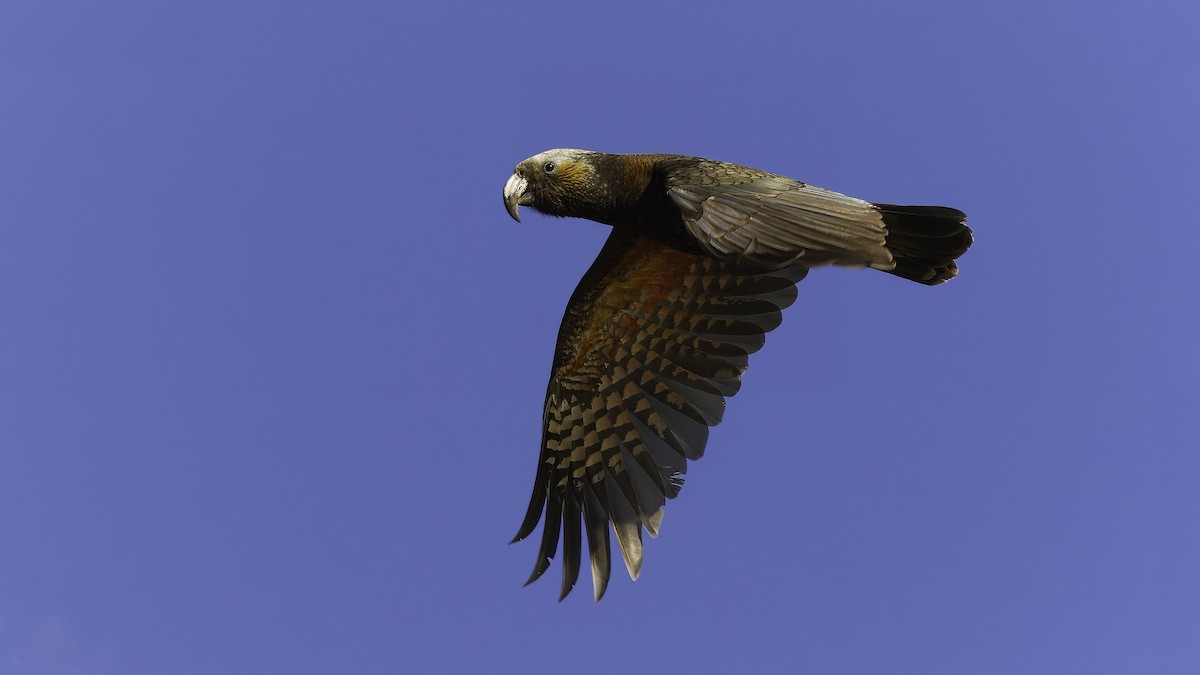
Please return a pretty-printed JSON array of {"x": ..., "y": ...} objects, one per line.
[{"x": 549, "y": 167}]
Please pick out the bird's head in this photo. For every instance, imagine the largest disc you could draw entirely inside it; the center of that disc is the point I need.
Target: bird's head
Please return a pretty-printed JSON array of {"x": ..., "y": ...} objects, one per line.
[{"x": 560, "y": 182}]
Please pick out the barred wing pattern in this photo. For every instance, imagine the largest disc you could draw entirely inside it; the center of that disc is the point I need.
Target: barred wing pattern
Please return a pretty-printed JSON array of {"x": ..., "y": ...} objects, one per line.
[{"x": 652, "y": 342}]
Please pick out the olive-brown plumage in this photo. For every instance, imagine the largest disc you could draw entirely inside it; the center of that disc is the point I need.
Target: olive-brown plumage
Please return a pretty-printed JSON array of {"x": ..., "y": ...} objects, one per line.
[{"x": 702, "y": 258}]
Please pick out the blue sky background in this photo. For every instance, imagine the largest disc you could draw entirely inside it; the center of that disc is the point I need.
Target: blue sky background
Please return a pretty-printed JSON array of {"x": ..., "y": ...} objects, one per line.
[{"x": 272, "y": 355}]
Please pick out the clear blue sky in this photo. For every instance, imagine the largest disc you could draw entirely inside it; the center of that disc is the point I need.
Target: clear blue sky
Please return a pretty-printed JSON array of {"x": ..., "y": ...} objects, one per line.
[{"x": 272, "y": 355}]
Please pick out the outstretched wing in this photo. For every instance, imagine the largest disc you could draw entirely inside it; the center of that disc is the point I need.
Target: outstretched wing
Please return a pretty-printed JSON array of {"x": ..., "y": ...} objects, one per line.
[
  {"x": 652, "y": 342},
  {"x": 772, "y": 221}
]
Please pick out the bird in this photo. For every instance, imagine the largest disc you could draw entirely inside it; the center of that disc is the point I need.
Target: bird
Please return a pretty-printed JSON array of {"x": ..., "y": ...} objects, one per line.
[{"x": 702, "y": 257}]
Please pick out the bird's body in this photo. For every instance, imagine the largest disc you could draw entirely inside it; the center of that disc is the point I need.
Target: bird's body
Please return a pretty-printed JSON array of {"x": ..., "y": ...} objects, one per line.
[{"x": 702, "y": 257}]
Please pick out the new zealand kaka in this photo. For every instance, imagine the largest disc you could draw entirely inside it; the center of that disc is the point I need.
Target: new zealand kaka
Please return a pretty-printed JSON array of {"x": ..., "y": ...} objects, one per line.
[{"x": 702, "y": 257}]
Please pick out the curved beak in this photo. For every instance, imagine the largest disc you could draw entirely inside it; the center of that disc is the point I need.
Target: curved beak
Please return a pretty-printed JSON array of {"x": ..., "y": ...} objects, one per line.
[{"x": 516, "y": 194}]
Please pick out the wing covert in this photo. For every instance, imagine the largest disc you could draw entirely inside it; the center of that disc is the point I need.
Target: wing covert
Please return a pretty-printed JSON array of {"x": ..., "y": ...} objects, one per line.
[{"x": 772, "y": 221}]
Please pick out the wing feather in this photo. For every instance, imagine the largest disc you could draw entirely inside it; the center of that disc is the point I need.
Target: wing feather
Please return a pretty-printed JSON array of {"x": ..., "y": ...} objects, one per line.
[
  {"x": 772, "y": 221},
  {"x": 549, "y": 539},
  {"x": 571, "y": 543},
  {"x": 595, "y": 519},
  {"x": 652, "y": 342},
  {"x": 627, "y": 525}
]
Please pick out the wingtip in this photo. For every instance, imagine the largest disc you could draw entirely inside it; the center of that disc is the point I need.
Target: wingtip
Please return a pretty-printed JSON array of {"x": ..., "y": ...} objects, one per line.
[
  {"x": 598, "y": 588},
  {"x": 538, "y": 570},
  {"x": 653, "y": 522},
  {"x": 634, "y": 571}
]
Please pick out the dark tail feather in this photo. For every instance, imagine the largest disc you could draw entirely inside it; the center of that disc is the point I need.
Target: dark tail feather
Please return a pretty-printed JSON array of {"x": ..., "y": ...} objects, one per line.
[{"x": 925, "y": 241}]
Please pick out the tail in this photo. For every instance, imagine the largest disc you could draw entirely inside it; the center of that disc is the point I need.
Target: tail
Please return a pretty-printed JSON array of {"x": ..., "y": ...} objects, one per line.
[{"x": 925, "y": 241}]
